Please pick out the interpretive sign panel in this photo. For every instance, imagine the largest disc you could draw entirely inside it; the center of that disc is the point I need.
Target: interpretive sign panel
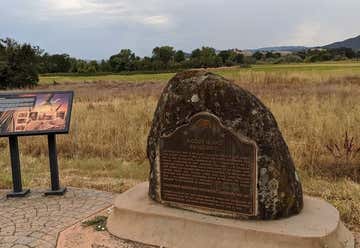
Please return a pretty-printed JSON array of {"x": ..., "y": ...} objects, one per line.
[
  {"x": 206, "y": 165},
  {"x": 35, "y": 113}
]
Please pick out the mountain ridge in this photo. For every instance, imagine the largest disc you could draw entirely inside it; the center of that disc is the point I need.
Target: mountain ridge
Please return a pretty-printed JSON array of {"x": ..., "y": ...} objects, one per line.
[
  {"x": 353, "y": 43},
  {"x": 279, "y": 49}
]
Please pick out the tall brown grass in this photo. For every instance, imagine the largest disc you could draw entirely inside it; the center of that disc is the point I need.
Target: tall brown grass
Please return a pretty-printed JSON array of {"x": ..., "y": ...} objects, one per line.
[{"x": 106, "y": 147}]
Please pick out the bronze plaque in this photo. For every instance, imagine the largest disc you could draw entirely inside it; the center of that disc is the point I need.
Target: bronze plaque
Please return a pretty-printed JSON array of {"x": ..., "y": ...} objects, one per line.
[{"x": 206, "y": 165}]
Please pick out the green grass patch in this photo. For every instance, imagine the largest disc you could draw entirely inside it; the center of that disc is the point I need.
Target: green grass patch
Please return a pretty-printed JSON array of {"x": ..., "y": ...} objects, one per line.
[
  {"x": 47, "y": 79},
  {"x": 99, "y": 223},
  {"x": 231, "y": 72}
]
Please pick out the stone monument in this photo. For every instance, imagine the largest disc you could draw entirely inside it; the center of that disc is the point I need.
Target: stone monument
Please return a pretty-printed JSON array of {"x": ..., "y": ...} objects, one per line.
[
  {"x": 240, "y": 128},
  {"x": 219, "y": 167}
]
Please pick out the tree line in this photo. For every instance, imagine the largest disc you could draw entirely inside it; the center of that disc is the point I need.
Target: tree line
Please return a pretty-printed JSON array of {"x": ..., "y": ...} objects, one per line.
[
  {"x": 163, "y": 58},
  {"x": 166, "y": 58},
  {"x": 307, "y": 56},
  {"x": 20, "y": 64}
]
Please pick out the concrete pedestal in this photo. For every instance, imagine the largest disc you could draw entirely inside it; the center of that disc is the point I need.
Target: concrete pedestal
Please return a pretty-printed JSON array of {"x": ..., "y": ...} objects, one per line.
[{"x": 136, "y": 217}]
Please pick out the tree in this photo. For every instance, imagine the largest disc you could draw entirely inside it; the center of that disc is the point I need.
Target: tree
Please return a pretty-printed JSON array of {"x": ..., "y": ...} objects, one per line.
[
  {"x": 104, "y": 66},
  {"x": 231, "y": 57},
  {"x": 93, "y": 64},
  {"x": 195, "y": 54},
  {"x": 205, "y": 57},
  {"x": 208, "y": 56},
  {"x": 224, "y": 55},
  {"x": 249, "y": 60},
  {"x": 55, "y": 63},
  {"x": 164, "y": 54},
  {"x": 83, "y": 66},
  {"x": 290, "y": 58},
  {"x": 145, "y": 64},
  {"x": 258, "y": 55},
  {"x": 343, "y": 51},
  {"x": 2, "y": 53},
  {"x": 301, "y": 54},
  {"x": 123, "y": 61},
  {"x": 179, "y": 56},
  {"x": 271, "y": 55},
  {"x": 239, "y": 58},
  {"x": 18, "y": 64}
]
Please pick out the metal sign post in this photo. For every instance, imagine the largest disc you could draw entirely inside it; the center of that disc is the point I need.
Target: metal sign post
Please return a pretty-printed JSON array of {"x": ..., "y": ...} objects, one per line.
[
  {"x": 15, "y": 169},
  {"x": 54, "y": 168}
]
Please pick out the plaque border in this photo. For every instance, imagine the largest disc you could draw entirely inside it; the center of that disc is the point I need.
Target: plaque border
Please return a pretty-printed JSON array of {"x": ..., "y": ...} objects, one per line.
[{"x": 254, "y": 173}]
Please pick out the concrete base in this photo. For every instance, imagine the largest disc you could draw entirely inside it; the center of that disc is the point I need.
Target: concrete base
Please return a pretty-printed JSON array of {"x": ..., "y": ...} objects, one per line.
[{"x": 136, "y": 217}]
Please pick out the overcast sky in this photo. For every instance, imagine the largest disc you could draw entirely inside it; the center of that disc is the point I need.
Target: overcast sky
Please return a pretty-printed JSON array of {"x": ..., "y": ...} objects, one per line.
[{"x": 95, "y": 29}]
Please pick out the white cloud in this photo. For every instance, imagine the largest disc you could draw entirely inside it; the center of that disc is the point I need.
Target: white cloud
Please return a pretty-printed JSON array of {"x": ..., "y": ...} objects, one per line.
[
  {"x": 67, "y": 4},
  {"x": 108, "y": 11},
  {"x": 315, "y": 33},
  {"x": 99, "y": 28},
  {"x": 82, "y": 7},
  {"x": 156, "y": 20},
  {"x": 307, "y": 33}
]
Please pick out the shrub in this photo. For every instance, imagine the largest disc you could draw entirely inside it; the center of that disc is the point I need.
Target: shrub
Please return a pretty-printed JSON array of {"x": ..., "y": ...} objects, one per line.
[
  {"x": 249, "y": 60},
  {"x": 292, "y": 58},
  {"x": 345, "y": 155},
  {"x": 18, "y": 64},
  {"x": 348, "y": 150}
]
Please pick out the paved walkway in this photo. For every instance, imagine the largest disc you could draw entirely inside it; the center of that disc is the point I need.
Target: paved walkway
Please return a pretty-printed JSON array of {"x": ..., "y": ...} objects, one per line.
[{"x": 36, "y": 220}]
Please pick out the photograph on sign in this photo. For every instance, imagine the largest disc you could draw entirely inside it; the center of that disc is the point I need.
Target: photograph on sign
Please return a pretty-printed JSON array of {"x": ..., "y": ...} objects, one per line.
[{"x": 35, "y": 113}]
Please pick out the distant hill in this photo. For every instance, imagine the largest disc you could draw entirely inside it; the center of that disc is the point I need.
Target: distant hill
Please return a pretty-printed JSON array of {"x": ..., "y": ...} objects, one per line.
[
  {"x": 280, "y": 49},
  {"x": 353, "y": 43}
]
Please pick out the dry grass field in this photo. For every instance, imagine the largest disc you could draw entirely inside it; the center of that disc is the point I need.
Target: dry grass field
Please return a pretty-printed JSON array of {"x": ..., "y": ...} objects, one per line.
[{"x": 112, "y": 115}]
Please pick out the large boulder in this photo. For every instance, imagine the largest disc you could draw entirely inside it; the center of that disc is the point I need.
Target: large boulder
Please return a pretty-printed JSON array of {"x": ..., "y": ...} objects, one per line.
[{"x": 279, "y": 191}]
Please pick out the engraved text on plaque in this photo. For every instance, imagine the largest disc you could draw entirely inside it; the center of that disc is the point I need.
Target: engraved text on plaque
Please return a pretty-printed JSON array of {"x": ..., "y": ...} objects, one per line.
[{"x": 204, "y": 164}]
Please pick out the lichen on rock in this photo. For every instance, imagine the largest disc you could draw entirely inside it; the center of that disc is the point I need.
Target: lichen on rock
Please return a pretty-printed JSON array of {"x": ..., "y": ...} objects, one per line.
[{"x": 190, "y": 92}]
